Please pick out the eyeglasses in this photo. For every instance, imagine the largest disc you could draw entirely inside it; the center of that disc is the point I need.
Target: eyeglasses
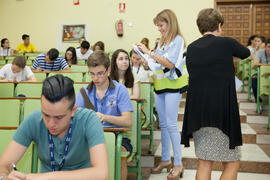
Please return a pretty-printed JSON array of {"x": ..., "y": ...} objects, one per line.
[{"x": 99, "y": 74}]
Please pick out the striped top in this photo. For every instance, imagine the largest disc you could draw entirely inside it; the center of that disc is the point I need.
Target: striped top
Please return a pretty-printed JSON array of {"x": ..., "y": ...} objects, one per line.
[{"x": 59, "y": 64}]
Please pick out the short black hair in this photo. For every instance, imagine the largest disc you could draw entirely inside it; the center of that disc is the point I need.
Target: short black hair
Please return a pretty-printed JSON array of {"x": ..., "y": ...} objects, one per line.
[
  {"x": 251, "y": 38},
  {"x": 3, "y": 42},
  {"x": 25, "y": 36},
  {"x": 57, "y": 87},
  {"x": 53, "y": 54},
  {"x": 85, "y": 45}
]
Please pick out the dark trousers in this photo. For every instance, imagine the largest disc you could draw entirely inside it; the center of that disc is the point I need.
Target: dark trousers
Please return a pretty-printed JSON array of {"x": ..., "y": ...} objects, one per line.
[{"x": 254, "y": 87}]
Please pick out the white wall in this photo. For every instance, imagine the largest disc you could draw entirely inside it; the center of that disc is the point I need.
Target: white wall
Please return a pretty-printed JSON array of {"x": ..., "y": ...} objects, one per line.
[{"x": 42, "y": 19}]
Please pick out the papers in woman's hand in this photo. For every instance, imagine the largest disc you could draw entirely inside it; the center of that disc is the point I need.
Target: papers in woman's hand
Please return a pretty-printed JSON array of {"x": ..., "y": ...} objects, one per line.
[
  {"x": 136, "y": 49},
  {"x": 151, "y": 62}
]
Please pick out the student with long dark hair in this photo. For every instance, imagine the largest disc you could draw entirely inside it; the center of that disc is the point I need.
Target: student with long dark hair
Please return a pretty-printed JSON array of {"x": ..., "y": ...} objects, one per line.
[
  {"x": 121, "y": 72},
  {"x": 70, "y": 56},
  {"x": 251, "y": 45},
  {"x": 5, "y": 50}
]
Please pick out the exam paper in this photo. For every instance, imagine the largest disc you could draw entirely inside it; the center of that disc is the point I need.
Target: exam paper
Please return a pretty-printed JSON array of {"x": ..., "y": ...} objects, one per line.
[{"x": 151, "y": 62}]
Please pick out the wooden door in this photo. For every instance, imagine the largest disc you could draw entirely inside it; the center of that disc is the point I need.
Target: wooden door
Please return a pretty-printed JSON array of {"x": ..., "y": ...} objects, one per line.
[
  {"x": 237, "y": 21},
  {"x": 243, "y": 18},
  {"x": 261, "y": 19}
]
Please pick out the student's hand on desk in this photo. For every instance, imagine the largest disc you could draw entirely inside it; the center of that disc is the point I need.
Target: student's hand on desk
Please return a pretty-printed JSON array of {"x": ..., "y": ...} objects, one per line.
[
  {"x": 101, "y": 116},
  {"x": 39, "y": 176},
  {"x": 16, "y": 175},
  {"x": 38, "y": 69}
]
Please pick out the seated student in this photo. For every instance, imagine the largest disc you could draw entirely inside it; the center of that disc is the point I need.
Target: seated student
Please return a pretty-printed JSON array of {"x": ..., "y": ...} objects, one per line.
[
  {"x": 71, "y": 56},
  {"x": 121, "y": 72},
  {"x": 109, "y": 98},
  {"x": 69, "y": 139},
  {"x": 5, "y": 50},
  {"x": 137, "y": 67},
  {"x": 26, "y": 46},
  {"x": 99, "y": 46},
  {"x": 85, "y": 51},
  {"x": 50, "y": 62},
  {"x": 17, "y": 71},
  {"x": 261, "y": 57},
  {"x": 251, "y": 45}
]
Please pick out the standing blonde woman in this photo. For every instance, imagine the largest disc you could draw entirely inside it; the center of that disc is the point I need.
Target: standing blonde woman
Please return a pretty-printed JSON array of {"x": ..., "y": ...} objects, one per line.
[
  {"x": 211, "y": 112},
  {"x": 170, "y": 81}
]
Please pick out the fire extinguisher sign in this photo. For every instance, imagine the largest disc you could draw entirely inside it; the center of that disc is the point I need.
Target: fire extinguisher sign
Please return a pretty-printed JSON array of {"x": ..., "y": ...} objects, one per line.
[
  {"x": 76, "y": 2},
  {"x": 122, "y": 7}
]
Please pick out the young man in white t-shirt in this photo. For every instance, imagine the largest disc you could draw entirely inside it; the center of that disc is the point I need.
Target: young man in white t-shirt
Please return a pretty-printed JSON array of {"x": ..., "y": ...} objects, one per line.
[
  {"x": 17, "y": 71},
  {"x": 84, "y": 52}
]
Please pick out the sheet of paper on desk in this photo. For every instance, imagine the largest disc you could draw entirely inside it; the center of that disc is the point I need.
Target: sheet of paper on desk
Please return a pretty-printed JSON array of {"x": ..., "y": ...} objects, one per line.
[
  {"x": 238, "y": 83},
  {"x": 151, "y": 62}
]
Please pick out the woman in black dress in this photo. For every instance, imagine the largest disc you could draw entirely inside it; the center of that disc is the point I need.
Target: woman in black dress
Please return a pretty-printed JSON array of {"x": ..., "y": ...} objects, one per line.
[{"x": 211, "y": 113}]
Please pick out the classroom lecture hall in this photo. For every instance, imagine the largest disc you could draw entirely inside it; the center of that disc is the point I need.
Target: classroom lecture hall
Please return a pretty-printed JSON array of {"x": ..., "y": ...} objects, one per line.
[{"x": 129, "y": 138}]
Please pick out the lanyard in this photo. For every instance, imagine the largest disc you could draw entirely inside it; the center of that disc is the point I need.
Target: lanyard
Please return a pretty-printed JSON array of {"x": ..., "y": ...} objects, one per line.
[
  {"x": 95, "y": 102},
  {"x": 95, "y": 95},
  {"x": 138, "y": 68},
  {"x": 7, "y": 51},
  {"x": 51, "y": 147},
  {"x": 266, "y": 57}
]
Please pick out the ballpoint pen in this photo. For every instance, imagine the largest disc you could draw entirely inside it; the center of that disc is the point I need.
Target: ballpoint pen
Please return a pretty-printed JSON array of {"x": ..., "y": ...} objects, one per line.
[{"x": 14, "y": 167}]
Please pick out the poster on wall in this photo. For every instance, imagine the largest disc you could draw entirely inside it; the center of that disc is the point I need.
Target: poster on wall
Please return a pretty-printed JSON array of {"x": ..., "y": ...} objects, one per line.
[{"x": 73, "y": 32}]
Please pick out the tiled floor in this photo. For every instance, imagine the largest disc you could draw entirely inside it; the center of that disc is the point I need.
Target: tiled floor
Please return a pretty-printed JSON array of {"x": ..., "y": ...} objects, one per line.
[
  {"x": 246, "y": 129},
  {"x": 189, "y": 174},
  {"x": 252, "y": 154}
]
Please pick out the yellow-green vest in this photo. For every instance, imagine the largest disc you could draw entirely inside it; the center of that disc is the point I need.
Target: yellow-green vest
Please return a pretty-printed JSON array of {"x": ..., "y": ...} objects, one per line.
[{"x": 163, "y": 84}]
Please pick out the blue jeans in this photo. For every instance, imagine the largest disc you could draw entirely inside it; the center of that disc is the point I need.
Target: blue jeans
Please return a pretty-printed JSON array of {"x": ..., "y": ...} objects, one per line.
[{"x": 167, "y": 105}]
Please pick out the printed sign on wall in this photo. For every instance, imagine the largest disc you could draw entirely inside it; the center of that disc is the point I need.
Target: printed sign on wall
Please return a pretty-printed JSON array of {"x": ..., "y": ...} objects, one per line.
[{"x": 122, "y": 7}]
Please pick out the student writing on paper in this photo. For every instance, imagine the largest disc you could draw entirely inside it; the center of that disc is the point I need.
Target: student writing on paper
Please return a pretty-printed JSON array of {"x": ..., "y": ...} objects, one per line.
[
  {"x": 108, "y": 98},
  {"x": 70, "y": 140}
]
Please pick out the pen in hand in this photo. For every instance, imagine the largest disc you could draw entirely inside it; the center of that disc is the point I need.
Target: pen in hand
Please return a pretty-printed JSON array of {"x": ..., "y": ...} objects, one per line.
[{"x": 14, "y": 167}]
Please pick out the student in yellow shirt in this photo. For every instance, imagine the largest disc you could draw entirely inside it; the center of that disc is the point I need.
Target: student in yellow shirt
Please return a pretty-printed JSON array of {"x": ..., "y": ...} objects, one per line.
[{"x": 26, "y": 46}]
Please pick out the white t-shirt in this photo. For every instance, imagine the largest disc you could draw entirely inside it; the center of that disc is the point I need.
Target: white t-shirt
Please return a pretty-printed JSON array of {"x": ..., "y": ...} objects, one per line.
[
  {"x": 5, "y": 52},
  {"x": 83, "y": 56},
  {"x": 144, "y": 75},
  {"x": 24, "y": 75}
]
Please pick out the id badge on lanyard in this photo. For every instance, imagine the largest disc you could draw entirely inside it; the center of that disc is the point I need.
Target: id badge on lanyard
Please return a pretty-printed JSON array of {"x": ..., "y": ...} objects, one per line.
[{"x": 51, "y": 147}]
